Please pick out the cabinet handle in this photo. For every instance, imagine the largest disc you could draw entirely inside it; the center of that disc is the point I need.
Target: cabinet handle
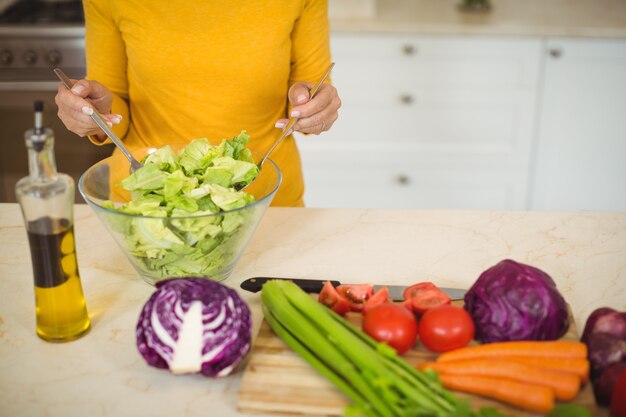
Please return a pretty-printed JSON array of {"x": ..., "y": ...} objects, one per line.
[
  {"x": 402, "y": 179},
  {"x": 556, "y": 52},
  {"x": 406, "y": 99},
  {"x": 409, "y": 49}
]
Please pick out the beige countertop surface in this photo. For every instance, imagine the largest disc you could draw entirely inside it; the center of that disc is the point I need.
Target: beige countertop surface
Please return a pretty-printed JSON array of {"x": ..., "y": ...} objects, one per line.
[
  {"x": 102, "y": 374},
  {"x": 544, "y": 18}
]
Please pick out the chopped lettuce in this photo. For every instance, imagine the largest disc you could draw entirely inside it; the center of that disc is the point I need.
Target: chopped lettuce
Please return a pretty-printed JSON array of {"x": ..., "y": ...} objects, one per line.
[{"x": 188, "y": 197}]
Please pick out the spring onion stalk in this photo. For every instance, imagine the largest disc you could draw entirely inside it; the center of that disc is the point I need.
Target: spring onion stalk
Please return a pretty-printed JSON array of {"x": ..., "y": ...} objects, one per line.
[{"x": 379, "y": 383}]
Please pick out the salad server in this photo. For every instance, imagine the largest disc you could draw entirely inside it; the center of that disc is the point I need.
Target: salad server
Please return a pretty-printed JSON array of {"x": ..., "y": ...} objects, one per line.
[
  {"x": 288, "y": 129},
  {"x": 134, "y": 164}
]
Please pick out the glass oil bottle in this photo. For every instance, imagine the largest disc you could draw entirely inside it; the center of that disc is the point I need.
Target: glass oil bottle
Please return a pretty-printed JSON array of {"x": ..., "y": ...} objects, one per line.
[{"x": 46, "y": 198}]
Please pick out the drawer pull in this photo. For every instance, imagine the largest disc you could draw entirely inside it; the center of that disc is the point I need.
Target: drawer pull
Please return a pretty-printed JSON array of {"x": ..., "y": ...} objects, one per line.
[
  {"x": 556, "y": 53},
  {"x": 406, "y": 99},
  {"x": 402, "y": 179},
  {"x": 409, "y": 49}
]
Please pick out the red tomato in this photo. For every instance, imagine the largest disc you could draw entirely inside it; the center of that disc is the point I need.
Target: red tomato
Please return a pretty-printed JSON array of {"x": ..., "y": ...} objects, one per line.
[
  {"x": 333, "y": 299},
  {"x": 408, "y": 305},
  {"x": 618, "y": 397},
  {"x": 356, "y": 294},
  {"x": 425, "y": 295},
  {"x": 380, "y": 297},
  {"x": 393, "y": 324},
  {"x": 446, "y": 328}
]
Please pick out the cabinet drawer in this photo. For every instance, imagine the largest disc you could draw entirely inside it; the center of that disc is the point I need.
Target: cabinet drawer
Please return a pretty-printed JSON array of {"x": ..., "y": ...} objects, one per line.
[
  {"x": 446, "y": 62},
  {"x": 360, "y": 179},
  {"x": 492, "y": 122}
]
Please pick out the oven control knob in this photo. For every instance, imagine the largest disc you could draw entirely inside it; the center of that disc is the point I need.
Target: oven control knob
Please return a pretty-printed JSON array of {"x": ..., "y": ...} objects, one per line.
[
  {"x": 53, "y": 57},
  {"x": 6, "y": 57},
  {"x": 30, "y": 57}
]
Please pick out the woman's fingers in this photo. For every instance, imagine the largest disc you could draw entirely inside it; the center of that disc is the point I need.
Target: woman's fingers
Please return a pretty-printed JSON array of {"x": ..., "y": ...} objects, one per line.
[
  {"x": 75, "y": 107},
  {"x": 319, "y": 113}
]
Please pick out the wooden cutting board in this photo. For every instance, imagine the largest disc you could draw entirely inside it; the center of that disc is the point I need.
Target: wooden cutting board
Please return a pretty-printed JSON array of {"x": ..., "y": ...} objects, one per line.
[{"x": 278, "y": 381}]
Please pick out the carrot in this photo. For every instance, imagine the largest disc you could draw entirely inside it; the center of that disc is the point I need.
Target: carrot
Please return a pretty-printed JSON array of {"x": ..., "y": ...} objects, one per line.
[
  {"x": 557, "y": 349},
  {"x": 530, "y": 397},
  {"x": 565, "y": 386},
  {"x": 576, "y": 366}
]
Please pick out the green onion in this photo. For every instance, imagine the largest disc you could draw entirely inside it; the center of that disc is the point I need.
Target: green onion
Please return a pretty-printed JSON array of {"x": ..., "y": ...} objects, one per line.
[{"x": 379, "y": 383}]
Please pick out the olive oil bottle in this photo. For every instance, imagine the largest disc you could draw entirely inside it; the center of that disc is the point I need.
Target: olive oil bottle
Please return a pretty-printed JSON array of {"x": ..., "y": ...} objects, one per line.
[{"x": 46, "y": 198}]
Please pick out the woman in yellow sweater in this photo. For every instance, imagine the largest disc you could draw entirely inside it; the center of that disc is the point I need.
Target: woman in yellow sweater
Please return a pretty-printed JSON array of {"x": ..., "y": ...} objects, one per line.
[{"x": 166, "y": 71}]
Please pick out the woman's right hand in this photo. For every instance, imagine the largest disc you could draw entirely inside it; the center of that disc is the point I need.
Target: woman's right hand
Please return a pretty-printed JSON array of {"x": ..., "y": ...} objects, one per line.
[{"x": 75, "y": 110}]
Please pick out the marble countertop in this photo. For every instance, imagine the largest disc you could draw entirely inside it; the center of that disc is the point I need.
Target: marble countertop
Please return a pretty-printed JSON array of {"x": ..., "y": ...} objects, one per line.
[
  {"x": 102, "y": 374},
  {"x": 554, "y": 18}
]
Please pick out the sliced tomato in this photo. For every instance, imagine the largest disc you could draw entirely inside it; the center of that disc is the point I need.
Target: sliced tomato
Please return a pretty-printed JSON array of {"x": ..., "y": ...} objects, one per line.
[
  {"x": 408, "y": 305},
  {"x": 356, "y": 294},
  {"x": 380, "y": 297},
  {"x": 331, "y": 298},
  {"x": 425, "y": 295}
]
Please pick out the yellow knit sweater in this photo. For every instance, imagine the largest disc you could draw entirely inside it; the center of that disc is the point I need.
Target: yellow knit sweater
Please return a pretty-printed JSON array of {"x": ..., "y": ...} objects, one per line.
[{"x": 180, "y": 70}]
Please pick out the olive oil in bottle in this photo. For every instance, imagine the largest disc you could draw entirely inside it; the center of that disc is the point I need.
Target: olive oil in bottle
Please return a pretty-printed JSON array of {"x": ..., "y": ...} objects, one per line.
[{"x": 46, "y": 198}]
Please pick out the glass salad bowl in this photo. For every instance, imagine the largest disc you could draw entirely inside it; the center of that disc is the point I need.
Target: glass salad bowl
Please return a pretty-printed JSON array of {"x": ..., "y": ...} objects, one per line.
[{"x": 207, "y": 243}]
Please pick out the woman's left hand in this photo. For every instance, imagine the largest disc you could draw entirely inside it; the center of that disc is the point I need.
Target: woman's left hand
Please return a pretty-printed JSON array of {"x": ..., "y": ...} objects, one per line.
[{"x": 314, "y": 115}]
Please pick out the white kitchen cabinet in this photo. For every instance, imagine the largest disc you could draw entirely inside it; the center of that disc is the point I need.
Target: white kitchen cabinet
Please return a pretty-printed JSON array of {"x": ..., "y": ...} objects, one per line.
[
  {"x": 427, "y": 122},
  {"x": 581, "y": 146}
]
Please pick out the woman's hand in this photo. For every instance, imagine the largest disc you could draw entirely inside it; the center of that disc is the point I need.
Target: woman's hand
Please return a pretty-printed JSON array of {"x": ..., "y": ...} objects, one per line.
[
  {"x": 316, "y": 115},
  {"x": 75, "y": 110}
]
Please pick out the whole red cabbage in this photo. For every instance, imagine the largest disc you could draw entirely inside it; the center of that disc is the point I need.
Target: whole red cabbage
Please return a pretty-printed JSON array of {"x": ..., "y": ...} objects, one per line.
[
  {"x": 514, "y": 301},
  {"x": 220, "y": 335}
]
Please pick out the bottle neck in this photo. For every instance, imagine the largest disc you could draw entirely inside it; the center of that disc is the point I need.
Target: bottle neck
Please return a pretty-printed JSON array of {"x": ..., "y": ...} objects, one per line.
[{"x": 41, "y": 163}]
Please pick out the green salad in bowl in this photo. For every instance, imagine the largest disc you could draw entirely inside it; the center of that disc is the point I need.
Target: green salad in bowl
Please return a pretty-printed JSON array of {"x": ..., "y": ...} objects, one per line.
[{"x": 181, "y": 214}]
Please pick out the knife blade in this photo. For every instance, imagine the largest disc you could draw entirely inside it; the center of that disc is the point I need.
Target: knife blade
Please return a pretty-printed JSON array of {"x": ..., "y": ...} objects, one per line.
[{"x": 315, "y": 286}]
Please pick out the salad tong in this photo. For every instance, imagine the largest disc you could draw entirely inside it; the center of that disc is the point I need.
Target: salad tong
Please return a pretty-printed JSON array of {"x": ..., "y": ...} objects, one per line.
[{"x": 97, "y": 117}]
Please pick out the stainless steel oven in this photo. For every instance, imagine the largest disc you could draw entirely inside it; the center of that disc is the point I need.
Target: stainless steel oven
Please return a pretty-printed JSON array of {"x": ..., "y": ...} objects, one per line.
[{"x": 36, "y": 36}]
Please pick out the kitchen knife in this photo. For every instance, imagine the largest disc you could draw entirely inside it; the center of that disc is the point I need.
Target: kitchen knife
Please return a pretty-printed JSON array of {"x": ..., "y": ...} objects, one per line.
[{"x": 315, "y": 286}]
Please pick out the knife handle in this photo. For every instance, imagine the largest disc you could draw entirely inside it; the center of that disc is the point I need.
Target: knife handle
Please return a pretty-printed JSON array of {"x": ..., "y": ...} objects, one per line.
[{"x": 308, "y": 285}]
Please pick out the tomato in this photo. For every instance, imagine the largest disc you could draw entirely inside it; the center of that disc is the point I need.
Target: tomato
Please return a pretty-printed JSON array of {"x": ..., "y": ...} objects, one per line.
[
  {"x": 408, "y": 305},
  {"x": 618, "y": 397},
  {"x": 425, "y": 295},
  {"x": 445, "y": 328},
  {"x": 330, "y": 297},
  {"x": 356, "y": 294},
  {"x": 380, "y": 297},
  {"x": 393, "y": 324}
]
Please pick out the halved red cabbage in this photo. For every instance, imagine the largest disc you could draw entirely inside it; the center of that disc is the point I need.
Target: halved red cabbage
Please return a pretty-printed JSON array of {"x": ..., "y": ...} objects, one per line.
[
  {"x": 514, "y": 301},
  {"x": 194, "y": 325}
]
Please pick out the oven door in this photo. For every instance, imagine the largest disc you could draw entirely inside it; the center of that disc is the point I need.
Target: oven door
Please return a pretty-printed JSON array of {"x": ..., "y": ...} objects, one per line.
[{"x": 73, "y": 153}]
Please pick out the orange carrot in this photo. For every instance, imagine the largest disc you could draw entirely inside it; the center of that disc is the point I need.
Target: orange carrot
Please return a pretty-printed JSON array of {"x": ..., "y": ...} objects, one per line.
[
  {"x": 578, "y": 367},
  {"x": 565, "y": 386},
  {"x": 556, "y": 349},
  {"x": 530, "y": 397}
]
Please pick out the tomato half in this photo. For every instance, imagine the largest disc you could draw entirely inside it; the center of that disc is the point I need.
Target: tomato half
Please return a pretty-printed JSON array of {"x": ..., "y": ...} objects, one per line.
[
  {"x": 356, "y": 294},
  {"x": 425, "y": 295},
  {"x": 393, "y": 324},
  {"x": 330, "y": 297},
  {"x": 380, "y": 297},
  {"x": 446, "y": 328}
]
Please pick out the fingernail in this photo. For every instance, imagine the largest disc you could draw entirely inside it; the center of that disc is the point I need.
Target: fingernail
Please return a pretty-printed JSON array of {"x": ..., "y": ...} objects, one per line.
[
  {"x": 116, "y": 120},
  {"x": 78, "y": 88},
  {"x": 87, "y": 110},
  {"x": 280, "y": 125},
  {"x": 110, "y": 124},
  {"x": 118, "y": 116},
  {"x": 295, "y": 113},
  {"x": 301, "y": 98}
]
